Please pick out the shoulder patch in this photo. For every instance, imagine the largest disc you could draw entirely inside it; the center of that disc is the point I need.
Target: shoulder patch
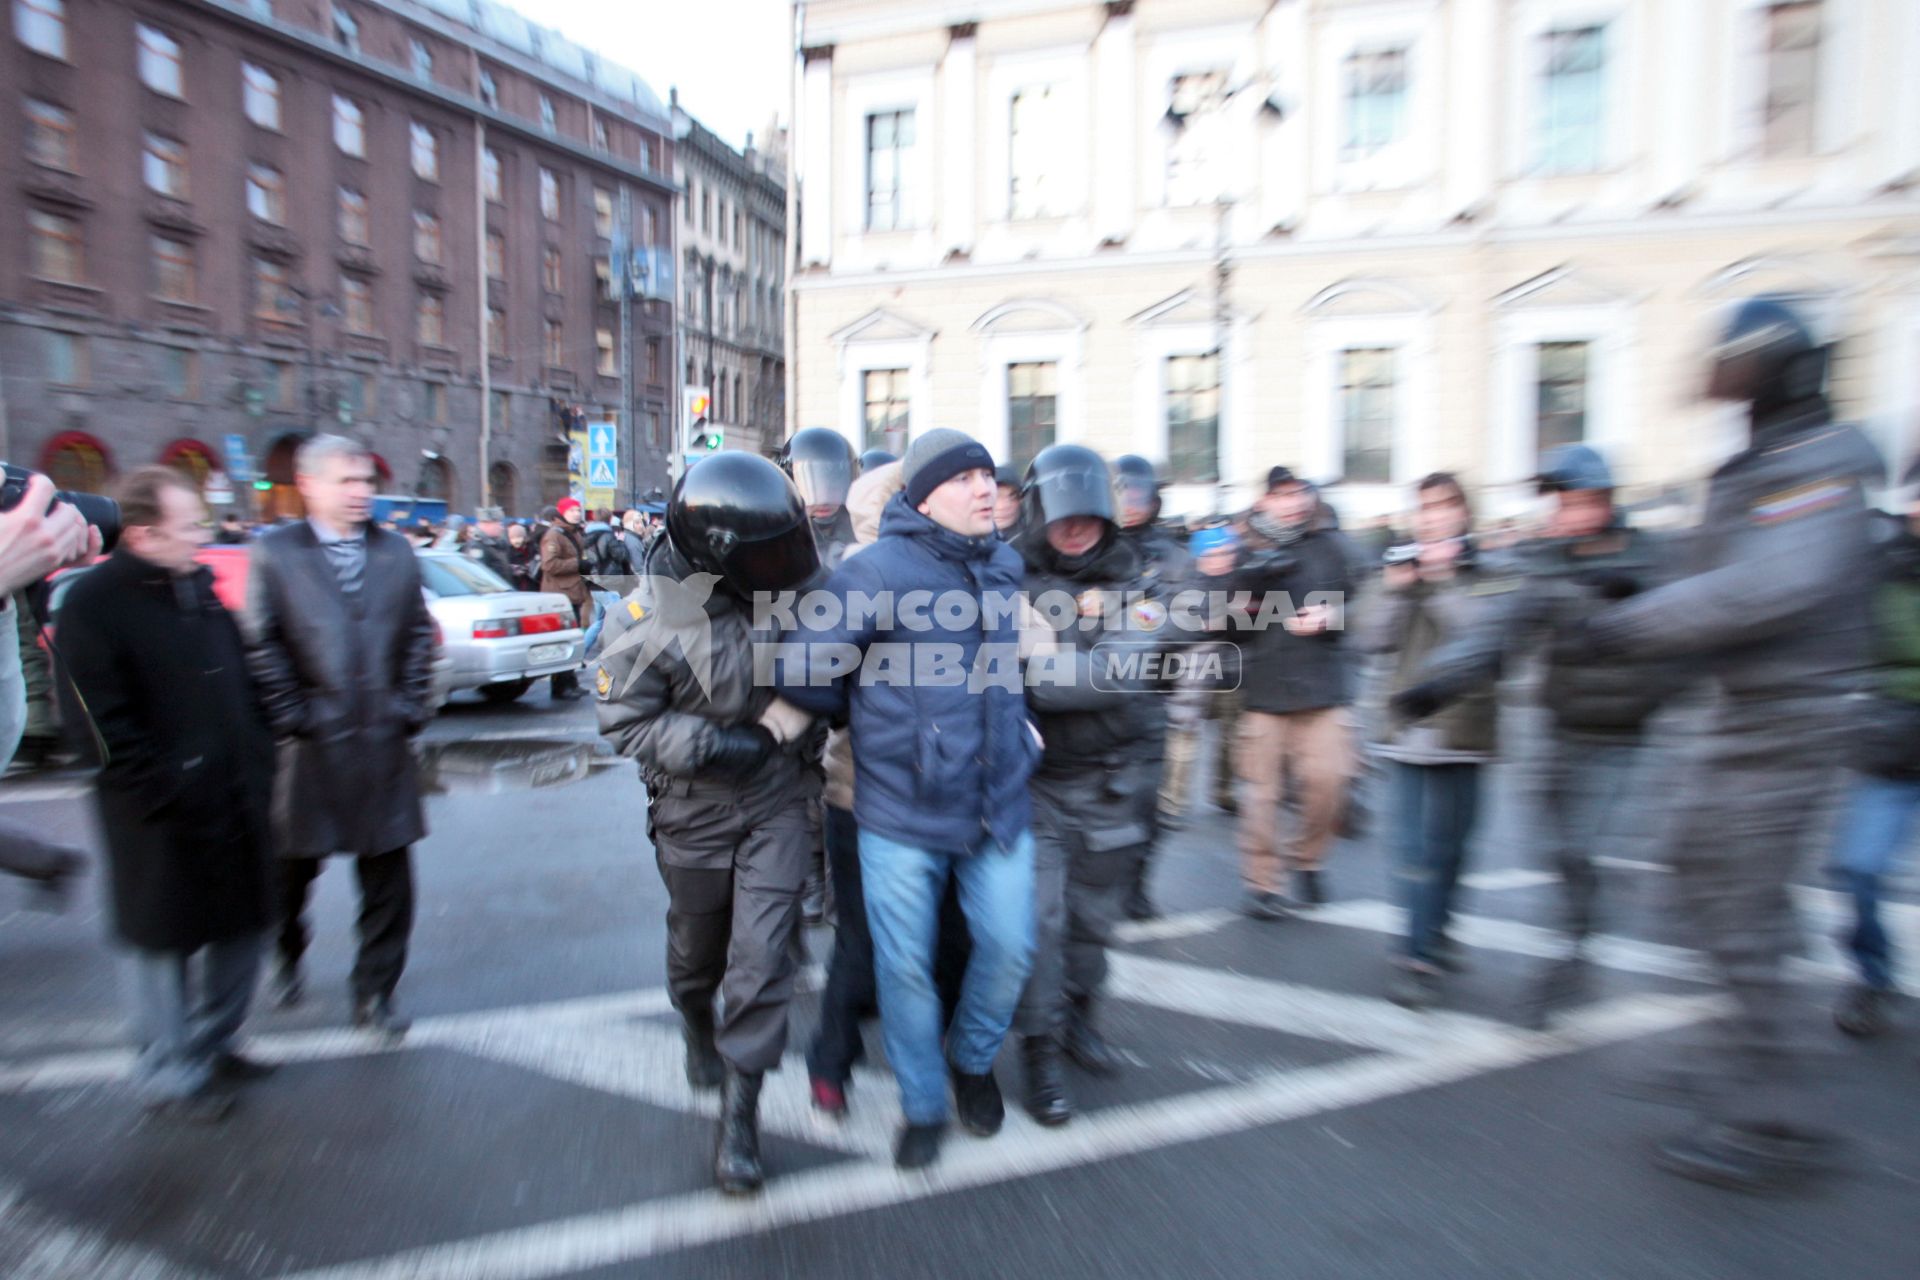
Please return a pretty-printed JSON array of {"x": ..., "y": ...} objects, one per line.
[
  {"x": 1791, "y": 504},
  {"x": 636, "y": 610},
  {"x": 603, "y": 684}
]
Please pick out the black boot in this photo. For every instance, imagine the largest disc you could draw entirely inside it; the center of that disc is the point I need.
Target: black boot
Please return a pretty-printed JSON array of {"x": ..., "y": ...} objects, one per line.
[
  {"x": 1084, "y": 1043},
  {"x": 977, "y": 1103},
  {"x": 704, "y": 1068},
  {"x": 1046, "y": 1083},
  {"x": 1555, "y": 991},
  {"x": 1754, "y": 1160},
  {"x": 736, "y": 1158}
]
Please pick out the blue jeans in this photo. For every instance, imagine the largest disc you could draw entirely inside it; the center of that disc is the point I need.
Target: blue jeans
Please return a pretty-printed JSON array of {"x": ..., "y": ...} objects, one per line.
[
  {"x": 187, "y": 1009},
  {"x": 602, "y": 601},
  {"x": 1876, "y": 823},
  {"x": 1434, "y": 807},
  {"x": 904, "y": 886}
]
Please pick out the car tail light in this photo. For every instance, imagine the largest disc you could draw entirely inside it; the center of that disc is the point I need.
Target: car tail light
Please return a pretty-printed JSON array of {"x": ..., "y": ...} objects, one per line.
[{"x": 532, "y": 625}]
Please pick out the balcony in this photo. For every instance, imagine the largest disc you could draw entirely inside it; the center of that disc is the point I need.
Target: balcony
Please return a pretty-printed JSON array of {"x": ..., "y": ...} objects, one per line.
[
  {"x": 432, "y": 276},
  {"x": 173, "y": 215},
  {"x": 276, "y": 244},
  {"x": 55, "y": 187},
  {"x": 430, "y": 356},
  {"x": 62, "y": 295},
  {"x": 185, "y": 317},
  {"x": 358, "y": 259}
]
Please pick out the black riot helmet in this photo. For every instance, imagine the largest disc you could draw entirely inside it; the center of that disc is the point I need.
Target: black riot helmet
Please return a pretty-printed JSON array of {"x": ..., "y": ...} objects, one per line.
[
  {"x": 1135, "y": 485},
  {"x": 1767, "y": 358},
  {"x": 875, "y": 458},
  {"x": 822, "y": 466},
  {"x": 1573, "y": 468},
  {"x": 738, "y": 516},
  {"x": 1065, "y": 480}
]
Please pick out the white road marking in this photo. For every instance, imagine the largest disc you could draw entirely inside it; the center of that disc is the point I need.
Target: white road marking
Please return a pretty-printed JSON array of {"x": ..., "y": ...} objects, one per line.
[
  {"x": 1509, "y": 878},
  {"x": 1633, "y": 864},
  {"x": 34, "y": 1246},
  {"x": 626, "y": 1235},
  {"x": 1185, "y": 925}
]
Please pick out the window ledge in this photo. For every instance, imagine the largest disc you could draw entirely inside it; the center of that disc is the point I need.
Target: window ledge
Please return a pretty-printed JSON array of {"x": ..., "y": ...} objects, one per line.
[{"x": 68, "y": 294}]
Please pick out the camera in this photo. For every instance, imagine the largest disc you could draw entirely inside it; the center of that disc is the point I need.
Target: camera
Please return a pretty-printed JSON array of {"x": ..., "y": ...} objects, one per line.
[{"x": 100, "y": 512}]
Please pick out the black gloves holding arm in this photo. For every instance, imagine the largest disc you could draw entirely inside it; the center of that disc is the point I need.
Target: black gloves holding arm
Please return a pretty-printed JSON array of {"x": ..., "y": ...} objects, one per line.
[{"x": 739, "y": 748}]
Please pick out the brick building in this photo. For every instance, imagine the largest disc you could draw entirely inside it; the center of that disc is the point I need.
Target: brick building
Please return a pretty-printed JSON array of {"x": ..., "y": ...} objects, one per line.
[{"x": 269, "y": 217}]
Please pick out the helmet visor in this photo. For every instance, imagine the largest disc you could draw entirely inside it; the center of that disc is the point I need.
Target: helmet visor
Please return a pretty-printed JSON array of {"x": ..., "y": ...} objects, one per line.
[{"x": 823, "y": 482}]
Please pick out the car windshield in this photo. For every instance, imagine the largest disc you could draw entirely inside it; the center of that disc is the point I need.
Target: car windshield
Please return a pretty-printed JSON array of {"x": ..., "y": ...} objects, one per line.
[{"x": 452, "y": 576}]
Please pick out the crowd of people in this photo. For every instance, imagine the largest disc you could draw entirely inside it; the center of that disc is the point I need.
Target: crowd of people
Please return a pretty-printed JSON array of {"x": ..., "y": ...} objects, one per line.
[{"x": 963, "y": 747}]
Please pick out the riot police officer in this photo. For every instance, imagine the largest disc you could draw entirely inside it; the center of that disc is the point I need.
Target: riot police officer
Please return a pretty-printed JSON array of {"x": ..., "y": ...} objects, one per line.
[
  {"x": 876, "y": 458},
  {"x": 1776, "y": 606},
  {"x": 1096, "y": 787},
  {"x": 1592, "y": 769},
  {"x": 822, "y": 465},
  {"x": 730, "y": 782},
  {"x": 1165, "y": 566}
]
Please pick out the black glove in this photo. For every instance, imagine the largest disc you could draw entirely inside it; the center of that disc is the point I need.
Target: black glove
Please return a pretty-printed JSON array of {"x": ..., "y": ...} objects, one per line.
[
  {"x": 1417, "y": 702},
  {"x": 739, "y": 748},
  {"x": 1611, "y": 584}
]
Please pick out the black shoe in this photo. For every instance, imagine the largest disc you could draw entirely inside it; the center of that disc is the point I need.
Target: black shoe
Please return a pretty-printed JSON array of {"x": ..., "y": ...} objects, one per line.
[
  {"x": 203, "y": 1107},
  {"x": 977, "y": 1103},
  {"x": 1751, "y": 1160},
  {"x": 1863, "y": 1012},
  {"x": 1308, "y": 891},
  {"x": 736, "y": 1155},
  {"x": 1561, "y": 987},
  {"x": 705, "y": 1070},
  {"x": 1140, "y": 906},
  {"x": 919, "y": 1145},
  {"x": 1227, "y": 804},
  {"x": 1414, "y": 987},
  {"x": 234, "y": 1068},
  {"x": 289, "y": 987},
  {"x": 1265, "y": 905},
  {"x": 376, "y": 1013},
  {"x": 1085, "y": 1045},
  {"x": 1446, "y": 955},
  {"x": 1046, "y": 1099}
]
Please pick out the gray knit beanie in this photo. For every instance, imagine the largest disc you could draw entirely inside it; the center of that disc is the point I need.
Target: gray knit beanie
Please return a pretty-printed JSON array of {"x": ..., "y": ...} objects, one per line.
[{"x": 937, "y": 457}]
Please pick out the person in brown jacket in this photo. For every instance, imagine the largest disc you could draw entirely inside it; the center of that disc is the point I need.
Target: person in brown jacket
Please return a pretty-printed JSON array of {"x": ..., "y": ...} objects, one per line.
[{"x": 560, "y": 552}]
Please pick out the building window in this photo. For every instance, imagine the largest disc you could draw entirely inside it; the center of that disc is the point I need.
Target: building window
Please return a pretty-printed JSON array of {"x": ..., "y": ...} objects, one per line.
[
  {"x": 346, "y": 32},
  {"x": 603, "y": 213},
  {"x": 739, "y": 400},
  {"x": 172, "y": 270},
  {"x": 1789, "y": 112},
  {"x": 66, "y": 360},
  {"x": 421, "y": 59},
  {"x": 550, "y": 268},
  {"x": 604, "y": 362},
  {"x": 260, "y": 95},
  {"x": 547, "y": 118},
  {"x": 356, "y": 297},
  {"x": 600, "y": 139},
  {"x": 284, "y": 384},
  {"x": 163, "y": 166},
  {"x": 1033, "y": 142},
  {"x": 426, "y": 153},
  {"x": 426, "y": 237},
  {"x": 159, "y": 60},
  {"x": 267, "y": 194},
  {"x": 489, "y": 91},
  {"x": 349, "y": 126},
  {"x": 649, "y": 225},
  {"x": 603, "y": 276},
  {"x": 549, "y": 195},
  {"x": 502, "y": 417},
  {"x": 430, "y": 321},
  {"x": 556, "y": 345},
  {"x": 490, "y": 174},
  {"x": 884, "y": 425},
  {"x": 180, "y": 372},
  {"x": 354, "y": 224},
  {"x": 1376, "y": 100},
  {"x": 653, "y": 362},
  {"x": 649, "y": 158},
  {"x": 889, "y": 142},
  {"x": 719, "y": 398},
  {"x": 273, "y": 296},
  {"x": 706, "y": 211},
  {"x": 1193, "y": 419},
  {"x": 739, "y": 230},
  {"x": 1197, "y": 111},
  {"x": 1367, "y": 408},
  {"x": 50, "y": 136},
  {"x": 1560, "y": 393},
  {"x": 1571, "y": 125},
  {"x": 496, "y": 332},
  {"x": 496, "y": 255},
  {"x": 1033, "y": 413},
  {"x": 41, "y": 25},
  {"x": 433, "y": 407}
]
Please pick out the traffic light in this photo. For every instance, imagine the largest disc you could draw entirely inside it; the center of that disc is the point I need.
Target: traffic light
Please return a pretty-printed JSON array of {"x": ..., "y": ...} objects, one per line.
[{"x": 699, "y": 434}]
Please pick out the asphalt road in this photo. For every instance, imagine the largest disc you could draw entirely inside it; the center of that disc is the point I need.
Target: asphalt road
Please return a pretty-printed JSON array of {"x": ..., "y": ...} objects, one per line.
[{"x": 1279, "y": 1118}]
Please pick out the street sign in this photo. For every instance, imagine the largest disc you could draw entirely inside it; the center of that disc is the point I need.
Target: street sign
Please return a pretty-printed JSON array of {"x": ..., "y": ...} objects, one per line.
[
  {"x": 217, "y": 492},
  {"x": 239, "y": 465},
  {"x": 601, "y": 440},
  {"x": 603, "y": 463},
  {"x": 600, "y": 473}
]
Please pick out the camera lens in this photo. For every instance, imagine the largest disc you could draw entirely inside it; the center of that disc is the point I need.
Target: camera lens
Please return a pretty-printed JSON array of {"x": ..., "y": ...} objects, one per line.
[{"x": 102, "y": 513}]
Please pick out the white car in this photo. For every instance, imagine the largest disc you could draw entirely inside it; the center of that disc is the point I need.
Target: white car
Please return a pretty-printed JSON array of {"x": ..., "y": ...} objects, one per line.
[{"x": 500, "y": 640}]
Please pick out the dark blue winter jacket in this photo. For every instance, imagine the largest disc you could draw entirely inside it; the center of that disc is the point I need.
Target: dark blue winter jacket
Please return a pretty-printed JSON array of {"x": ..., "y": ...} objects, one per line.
[{"x": 940, "y": 762}]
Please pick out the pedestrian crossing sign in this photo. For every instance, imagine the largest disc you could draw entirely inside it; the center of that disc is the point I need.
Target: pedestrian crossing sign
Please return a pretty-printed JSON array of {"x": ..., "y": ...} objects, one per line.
[{"x": 600, "y": 473}]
